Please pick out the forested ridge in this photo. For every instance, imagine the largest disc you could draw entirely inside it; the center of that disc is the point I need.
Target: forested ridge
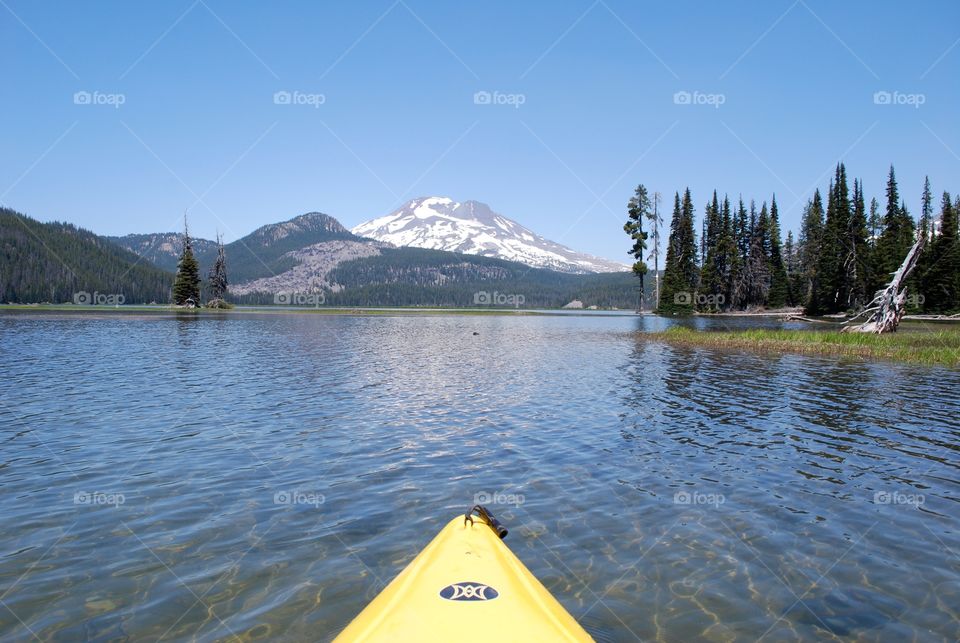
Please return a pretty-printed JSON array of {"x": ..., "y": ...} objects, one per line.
[{"x": 57, "y": 262}]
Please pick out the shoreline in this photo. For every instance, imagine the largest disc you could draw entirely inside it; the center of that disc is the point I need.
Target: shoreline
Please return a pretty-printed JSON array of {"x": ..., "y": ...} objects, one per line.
[{"x": 306, "y": 310}]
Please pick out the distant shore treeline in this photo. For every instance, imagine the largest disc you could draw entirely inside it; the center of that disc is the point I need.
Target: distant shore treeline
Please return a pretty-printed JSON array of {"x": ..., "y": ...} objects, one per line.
[{"x": 844, "y": 252}]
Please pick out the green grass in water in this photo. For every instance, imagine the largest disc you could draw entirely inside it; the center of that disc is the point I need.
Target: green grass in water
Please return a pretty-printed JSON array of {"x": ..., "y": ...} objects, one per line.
[{"x": 917, "y": 345}]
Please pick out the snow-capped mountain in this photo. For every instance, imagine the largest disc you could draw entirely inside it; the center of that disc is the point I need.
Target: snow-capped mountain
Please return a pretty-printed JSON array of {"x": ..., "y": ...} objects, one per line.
[{"x": 471, "y": 227}]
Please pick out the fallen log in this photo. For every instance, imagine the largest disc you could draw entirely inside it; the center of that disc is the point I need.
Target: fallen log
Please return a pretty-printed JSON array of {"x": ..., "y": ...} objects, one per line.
[{"x": 889, "y": 305}]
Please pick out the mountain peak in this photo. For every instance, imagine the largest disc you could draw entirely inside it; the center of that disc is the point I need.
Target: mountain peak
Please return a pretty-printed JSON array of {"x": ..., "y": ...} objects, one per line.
[{"x": 472, "y": 227}]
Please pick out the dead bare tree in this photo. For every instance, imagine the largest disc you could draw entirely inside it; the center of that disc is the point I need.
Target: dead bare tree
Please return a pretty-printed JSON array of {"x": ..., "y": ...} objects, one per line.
[{"x": 889, "y": 305}]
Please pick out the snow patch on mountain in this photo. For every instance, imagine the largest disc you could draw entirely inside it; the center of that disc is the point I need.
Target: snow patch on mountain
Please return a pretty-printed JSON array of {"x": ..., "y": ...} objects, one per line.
[{"x": 471, "y": 227}]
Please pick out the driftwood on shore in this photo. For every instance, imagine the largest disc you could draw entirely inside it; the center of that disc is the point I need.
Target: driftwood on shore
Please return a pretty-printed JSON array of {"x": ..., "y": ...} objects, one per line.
[{"x": 889, "y": 305}]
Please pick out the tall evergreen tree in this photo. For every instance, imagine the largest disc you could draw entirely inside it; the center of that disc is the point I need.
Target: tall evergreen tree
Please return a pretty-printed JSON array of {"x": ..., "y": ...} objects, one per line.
[
  {"x": 926, "y": 210},
  {"x": 727, "y": 257},
  {"x": 758, "y": 259},
  {"x": 811, "y": 240},
  {"x": 791, "y": 262},
  {"x": 740, "y": 276},
  {"x": 712, "y": 289},
  {"x": 680, "y": 274},
  {"x": 186, "y": 285},
  {"x": 843, "y": 244},
  {"x": 779, "y": 288},
  {"x": 874, "y": 222},
  {"x": 638, "y": 209},
  {"x": 897, "y": 236},
  {"x": 858, "y": 259},
  {"x": 830, "y": 296},
  {"x": 941, "y": 281}
]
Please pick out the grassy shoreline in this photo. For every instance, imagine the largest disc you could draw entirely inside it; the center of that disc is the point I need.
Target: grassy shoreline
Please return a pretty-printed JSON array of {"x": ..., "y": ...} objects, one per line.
[{"x": 940, "y": 347}]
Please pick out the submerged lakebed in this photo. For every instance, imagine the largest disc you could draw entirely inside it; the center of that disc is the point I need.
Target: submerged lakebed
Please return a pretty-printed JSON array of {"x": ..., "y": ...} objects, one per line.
[{"x": 263, "y": 475}]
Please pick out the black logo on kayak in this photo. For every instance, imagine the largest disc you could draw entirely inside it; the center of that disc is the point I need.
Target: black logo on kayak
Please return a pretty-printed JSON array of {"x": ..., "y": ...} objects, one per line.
[{"x": 467, "y": 591}]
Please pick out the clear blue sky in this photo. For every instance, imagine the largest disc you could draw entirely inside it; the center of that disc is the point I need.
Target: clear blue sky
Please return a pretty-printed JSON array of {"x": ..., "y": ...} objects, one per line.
[{"x": 199, "y": 128}]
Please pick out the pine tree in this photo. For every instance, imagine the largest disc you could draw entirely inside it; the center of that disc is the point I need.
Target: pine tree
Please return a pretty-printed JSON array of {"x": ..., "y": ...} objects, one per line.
[
  {"x": 680, "y": 274},
  {"x": 728, "y": 258},
  {"x": 941, "y": 282},
  {"x": 829, "y": 276},
  {"x": 779, "y": 288},
  {"x": 836, "y": 268},
  {"x": 758, "y": 259},
  {"x": 897, "y": 236},
  {"x": 875, "y": 223},
  {"x": 795, "y": 277},
  {"x": 638, "y": 208},
  {"x": 218, "y": 276},
  {"x": 926, "y": 210},
  {"x": 811, "y": 240},
  {"x": 712, "y": 291},
  {"x": 858, "y": 261},
  {"x": 186, "y": 286},
  {"x": 739, "y": 274}
]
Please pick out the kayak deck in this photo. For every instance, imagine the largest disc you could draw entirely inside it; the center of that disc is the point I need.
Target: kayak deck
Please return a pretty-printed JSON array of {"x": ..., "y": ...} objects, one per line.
[{"x": 466, "y": 585}]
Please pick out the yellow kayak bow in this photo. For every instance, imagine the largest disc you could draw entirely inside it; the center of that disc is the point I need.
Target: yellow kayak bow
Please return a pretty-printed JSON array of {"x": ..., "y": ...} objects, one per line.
[{"x": 466, "y": 585}]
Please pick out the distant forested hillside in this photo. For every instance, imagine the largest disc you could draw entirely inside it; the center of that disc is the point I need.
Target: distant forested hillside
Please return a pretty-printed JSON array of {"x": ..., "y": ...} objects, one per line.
[
  {"x": 260, "y": 253},
  {"x": 163, "y": 249},
  {"x": 421, "y": 277},
  {"x": 52, "y": 262}
]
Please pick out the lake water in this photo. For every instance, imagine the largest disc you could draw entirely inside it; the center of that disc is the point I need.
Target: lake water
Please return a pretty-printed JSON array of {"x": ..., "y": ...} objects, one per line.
[{"x": 263, "y": 476}]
